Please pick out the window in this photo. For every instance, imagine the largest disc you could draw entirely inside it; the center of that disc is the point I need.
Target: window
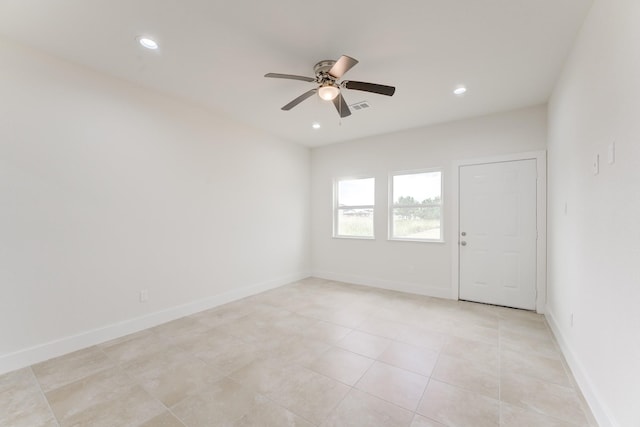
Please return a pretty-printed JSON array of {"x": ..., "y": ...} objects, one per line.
[
  {"x": 416, "y": 206},
  {"x": 353, "y": 213}
]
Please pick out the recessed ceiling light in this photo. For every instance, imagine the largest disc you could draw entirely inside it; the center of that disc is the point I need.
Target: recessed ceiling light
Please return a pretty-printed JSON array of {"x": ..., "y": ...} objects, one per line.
[
  {"x": 148, "y": 43},
  {"x": 460, "y": 90},
  {"x": 316, "y": 125}
]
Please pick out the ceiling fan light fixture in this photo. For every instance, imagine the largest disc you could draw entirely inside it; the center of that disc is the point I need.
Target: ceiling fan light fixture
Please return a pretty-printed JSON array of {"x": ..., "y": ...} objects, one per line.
[{"x": 328, "y": 92}]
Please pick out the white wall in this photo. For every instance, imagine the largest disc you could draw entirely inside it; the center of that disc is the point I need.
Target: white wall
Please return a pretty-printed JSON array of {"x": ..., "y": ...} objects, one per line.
[
  {"x": 594, "y": 245},
  {"x": 409, "y": 266},
  {"x": 107, "y": 188}
]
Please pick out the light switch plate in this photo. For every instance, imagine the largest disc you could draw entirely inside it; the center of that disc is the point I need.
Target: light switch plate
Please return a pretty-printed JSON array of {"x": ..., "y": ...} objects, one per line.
[
  {"x": 611, "y": 153},
  {"x": 596, "y": 164}
]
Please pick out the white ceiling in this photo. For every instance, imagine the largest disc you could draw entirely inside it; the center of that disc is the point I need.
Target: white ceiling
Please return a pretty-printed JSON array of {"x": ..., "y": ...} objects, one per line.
[{"x": 215, "y": 52}]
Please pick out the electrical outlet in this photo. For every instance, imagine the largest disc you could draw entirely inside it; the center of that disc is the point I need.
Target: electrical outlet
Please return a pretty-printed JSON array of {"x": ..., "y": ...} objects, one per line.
[
  {"x": 144, "y": 295},
  {"x": 571, "y": 320}
]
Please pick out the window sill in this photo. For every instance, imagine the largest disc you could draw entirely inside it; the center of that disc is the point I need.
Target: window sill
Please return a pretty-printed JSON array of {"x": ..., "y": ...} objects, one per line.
[
  {"x": 354, "y": 237},
  {"x": 400, "y": 239}
]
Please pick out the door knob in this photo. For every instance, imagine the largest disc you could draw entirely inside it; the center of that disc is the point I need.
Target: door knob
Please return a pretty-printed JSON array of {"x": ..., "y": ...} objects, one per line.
[{"x": 463, "y": 243}]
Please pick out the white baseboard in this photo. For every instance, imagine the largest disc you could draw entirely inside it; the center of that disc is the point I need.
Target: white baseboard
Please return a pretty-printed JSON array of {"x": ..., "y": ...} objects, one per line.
[
  {"x": 40, "y": 353},
  {"x": 601, "y": 414},
  {"x": 408, "y": 287}
]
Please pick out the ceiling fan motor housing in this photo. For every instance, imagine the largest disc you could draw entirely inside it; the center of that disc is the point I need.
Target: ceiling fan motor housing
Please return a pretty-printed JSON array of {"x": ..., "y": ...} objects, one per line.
[
  {"x": 323, "y": 66},
  {"x": 322, "y": 72}
]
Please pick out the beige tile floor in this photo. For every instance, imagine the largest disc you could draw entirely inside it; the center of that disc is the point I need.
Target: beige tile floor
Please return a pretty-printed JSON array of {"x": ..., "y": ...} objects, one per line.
[{"x": 313, "y": 353}]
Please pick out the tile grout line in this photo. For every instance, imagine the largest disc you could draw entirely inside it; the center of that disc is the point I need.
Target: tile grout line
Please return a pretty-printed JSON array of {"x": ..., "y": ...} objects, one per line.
[
  {"x": 351, "y": 387},
  {"x": 43, "y": 394},
  {"x": 572, "y": 380},
  {"x": 424, "y": 392},
  {"x": 137, "y": 383},
  {"x": 258, "y": 393},
  {"x": 538, "y": 411}
]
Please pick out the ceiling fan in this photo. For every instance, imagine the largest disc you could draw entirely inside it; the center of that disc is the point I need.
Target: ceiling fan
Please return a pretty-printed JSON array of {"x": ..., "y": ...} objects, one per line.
[{"x": 328, "y": 73}]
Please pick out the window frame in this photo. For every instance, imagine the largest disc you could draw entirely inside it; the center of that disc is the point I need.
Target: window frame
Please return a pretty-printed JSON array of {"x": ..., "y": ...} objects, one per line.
[
  {"x": 440, "y": 205},
  {"x": 337, "y": 208}
]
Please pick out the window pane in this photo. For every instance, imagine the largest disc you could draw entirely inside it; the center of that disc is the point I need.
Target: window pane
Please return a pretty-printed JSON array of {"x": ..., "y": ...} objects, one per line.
[
  {"x": 355, "y": 222},
  {"x": 417, "y": 188},
  {"x": 356, "y": 192},
  {"x": 417, "y": 223}
]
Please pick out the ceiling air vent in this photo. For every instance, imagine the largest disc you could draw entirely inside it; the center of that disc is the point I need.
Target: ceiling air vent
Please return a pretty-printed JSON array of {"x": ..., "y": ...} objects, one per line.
[{"x": 360, "y": 105}]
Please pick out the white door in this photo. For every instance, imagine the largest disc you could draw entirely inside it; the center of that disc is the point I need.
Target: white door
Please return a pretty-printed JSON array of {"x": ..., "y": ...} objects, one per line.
[{"x": 498, "y": 233}]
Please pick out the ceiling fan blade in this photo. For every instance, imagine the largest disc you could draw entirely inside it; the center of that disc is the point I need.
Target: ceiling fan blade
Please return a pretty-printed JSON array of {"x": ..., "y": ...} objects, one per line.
[
  {"x": 370, "y": 87},
  {"x": 290, "y": 76},
  {"x": 342, "y": 65},
  {"x": 299, "y": 99},
  {"x": 341, "y": 106}
]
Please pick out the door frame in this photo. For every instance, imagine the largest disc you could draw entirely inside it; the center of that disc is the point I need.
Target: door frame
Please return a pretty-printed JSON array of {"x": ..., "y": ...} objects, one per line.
[{"x": 541, "y": 220}]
